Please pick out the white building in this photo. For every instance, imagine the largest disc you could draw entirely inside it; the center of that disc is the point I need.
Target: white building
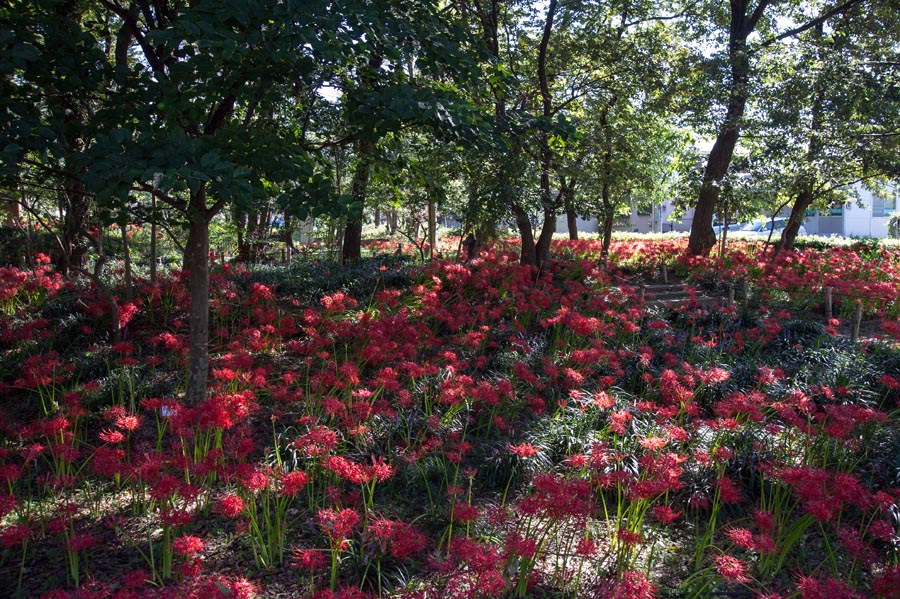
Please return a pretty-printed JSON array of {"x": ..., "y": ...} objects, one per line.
[{"x": 867, "y": 217}]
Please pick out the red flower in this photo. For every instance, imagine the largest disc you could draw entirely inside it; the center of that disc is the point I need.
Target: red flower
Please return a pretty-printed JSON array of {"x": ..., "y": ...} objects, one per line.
[
  {"x": 230, "y": 506},
  {"x": 524, "y": 450},
  {"x": 338, "y": 525},
  {"x": 14, "y": 535},
  {"x": 732, "y": 569},
  {"x": 293, "y": 482},
  {"x": 187, "y": 545},
  {"x": 310, "y": 559}
]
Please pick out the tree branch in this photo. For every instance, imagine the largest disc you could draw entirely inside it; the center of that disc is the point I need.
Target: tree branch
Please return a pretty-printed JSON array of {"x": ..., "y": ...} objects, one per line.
[{"x": 809, "y": 25}]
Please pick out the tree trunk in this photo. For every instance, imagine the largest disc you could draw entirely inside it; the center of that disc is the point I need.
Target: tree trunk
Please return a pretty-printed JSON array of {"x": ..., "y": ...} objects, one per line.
[
  {"x": 703, "y": 238},
  {"x": 806, "y": 196},
  {"x": 196, "y": 261},
  {"x": 153, "y": 250},
  {"x": 798, "y": 213},
  {"x": 352, "y": 248},
  {"x": 609, "y": 219},
  {"x": 527, "y": 253},
  {"x": 572, "y": 222},
  {"x": 432, "y": 227},
  {"x": 126, "y": 251},
  {"x": 542, "y": 248},
  {"x": 609, "y": 214},
  {"x": 75, "y": 211}
]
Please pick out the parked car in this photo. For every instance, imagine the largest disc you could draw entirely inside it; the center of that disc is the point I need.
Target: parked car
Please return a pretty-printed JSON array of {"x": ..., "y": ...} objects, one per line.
[
  {"x": 732, "y": 227},
  {"x": 762, "y": 228}
]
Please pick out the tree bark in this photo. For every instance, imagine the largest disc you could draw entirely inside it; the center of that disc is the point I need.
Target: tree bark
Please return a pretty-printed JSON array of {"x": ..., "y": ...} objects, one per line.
[
  {"x": 572, "y": 222},
  {"x": 432, "y": 226},
  {"x": 527, "y": 254},
  {"x": 703, "y": 238},
  {"x": 126, "y": 251},
  {"x": 609, "y": 216},
  {"x": 806, "y": 196},
  {"x": 352, "y": 246},
  {"x": 741, "y": 24},
  {"x": 196, "y": 261}
]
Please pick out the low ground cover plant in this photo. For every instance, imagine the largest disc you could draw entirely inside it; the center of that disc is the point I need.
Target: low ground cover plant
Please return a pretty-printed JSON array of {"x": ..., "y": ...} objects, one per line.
[{"x": 460, "y": 430}]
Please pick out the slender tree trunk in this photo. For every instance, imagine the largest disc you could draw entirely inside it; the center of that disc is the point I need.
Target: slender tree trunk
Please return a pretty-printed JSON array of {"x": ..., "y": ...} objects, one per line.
[
  {"x": 196, "y": 260},
  {"x": 153, "y": 250},
  {"x": 806, "y": 195},
  {"x": 542, "y": 248},
  {"x": 126, "y": 251},
  {"x": 609, "y": 216},
  {"x": 432, "y": 226}
]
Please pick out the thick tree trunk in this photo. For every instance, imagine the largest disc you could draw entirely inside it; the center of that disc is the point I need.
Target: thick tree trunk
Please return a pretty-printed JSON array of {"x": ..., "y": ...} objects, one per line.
[
  {"x": 703, "y": 238},
  {"x": 352, "y": 247},
  {"x": 741, "y": 24},
  {"x": 798, "y": 213},
  {"x": 572, "y": 222},
  {"x": 75, "y": 212},
  {"x": 542, "y": 247},
  {"x": 527, "y": 254},
  {"x": 196, "y": 260}
]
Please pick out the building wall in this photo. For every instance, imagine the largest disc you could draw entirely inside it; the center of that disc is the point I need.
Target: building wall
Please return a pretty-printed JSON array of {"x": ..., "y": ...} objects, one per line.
[{"x": 585, "y": 225}]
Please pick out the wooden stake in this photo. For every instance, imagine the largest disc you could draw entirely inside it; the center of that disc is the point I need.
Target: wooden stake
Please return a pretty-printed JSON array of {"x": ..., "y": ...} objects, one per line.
[
  {"x": 643, "y": 291},
  {"x": 731, "y": 295},
  {"x": 828, "y": 312},
  {"x": 857, "y": 319},
  {"x": 665, "y": 273}
]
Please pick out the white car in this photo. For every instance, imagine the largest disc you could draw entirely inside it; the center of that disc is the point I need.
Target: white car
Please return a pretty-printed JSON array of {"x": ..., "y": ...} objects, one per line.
[{"x": 762, "y": 228}]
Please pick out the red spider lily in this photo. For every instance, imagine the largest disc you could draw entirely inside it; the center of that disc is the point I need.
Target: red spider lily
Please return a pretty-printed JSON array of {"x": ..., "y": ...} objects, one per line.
[
  {"x": 293, "y": 482},
  {"x": 825, "y": 588},
  {"x": 481, "y": 557},
  {"x": 557, "y": 497},
  {"x": 187, "y": 545},
  {"x": 630, "y": 585},
  {"x": 463, "y": 512},
  {"x": 338, "y": 525},
  {"x": 523, "y": 450},
  {"x": 732, "y": 569},
  {"x": 887, "y": 583},
  {"x": 252, "y": 478},
  {"x": 399, "y": 539},
  {"x": 14, "y": 535},
  {"x": 230, "y": 506},
  {"x": 309, "y": 559}
]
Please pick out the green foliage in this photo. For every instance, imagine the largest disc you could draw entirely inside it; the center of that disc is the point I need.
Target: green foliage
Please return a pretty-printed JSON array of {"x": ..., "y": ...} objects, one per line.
[{"x": 309, "y": 281}]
